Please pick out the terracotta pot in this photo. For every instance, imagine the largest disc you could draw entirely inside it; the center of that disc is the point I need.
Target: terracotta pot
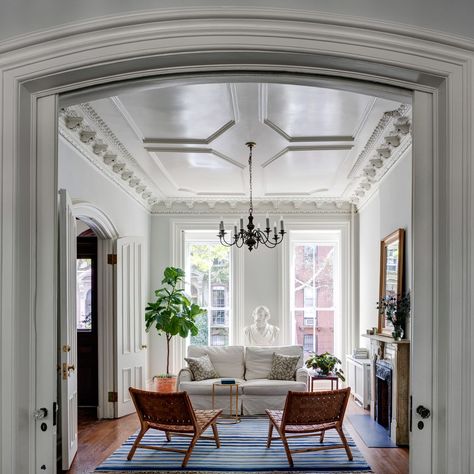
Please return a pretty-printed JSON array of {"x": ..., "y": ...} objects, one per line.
[{"x": 165, "y": 384}]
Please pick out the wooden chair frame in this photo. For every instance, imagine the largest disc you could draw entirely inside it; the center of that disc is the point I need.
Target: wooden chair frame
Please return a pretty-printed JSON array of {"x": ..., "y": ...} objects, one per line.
[
  {"x": 189, "y": 422},
  {"x": 294, "y": 418}
]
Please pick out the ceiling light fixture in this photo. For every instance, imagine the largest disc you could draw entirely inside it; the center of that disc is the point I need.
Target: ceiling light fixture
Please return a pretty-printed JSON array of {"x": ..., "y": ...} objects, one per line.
[{"x": 252, "y": 236}]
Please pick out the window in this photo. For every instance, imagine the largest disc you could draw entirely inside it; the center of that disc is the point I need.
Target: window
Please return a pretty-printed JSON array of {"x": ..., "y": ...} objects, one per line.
[
  {"x": 308, "y": 340},
  {"x": 84, "y": 294},
  {"x": 218, "y": 297},
  {"x": 208, "y": 276},
  {"x": 312, "y": 298},
  {"x": 218, "y": 318}
]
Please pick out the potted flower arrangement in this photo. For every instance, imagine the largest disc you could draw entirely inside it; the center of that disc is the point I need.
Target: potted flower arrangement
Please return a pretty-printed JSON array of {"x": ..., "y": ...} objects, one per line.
[
  {"x": 396, "y": 310},
  {"x": 325, "y": 364},
  {"x": 171, "y": 314}
]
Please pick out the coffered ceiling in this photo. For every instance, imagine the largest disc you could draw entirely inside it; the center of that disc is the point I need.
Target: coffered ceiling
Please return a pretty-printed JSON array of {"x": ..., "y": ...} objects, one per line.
[{"x": 185, "y": 145}]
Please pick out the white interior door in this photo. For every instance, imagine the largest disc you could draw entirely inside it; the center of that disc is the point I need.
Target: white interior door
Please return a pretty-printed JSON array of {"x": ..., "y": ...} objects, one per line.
[
  {"x": 68, "y": 330},
  {"x": 130, "y": 342}
]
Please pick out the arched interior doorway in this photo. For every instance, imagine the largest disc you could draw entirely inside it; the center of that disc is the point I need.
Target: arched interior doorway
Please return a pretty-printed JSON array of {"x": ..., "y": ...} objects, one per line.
[
  {"x": 420, "y": 67},
  {"x": 107, "y": 234}
]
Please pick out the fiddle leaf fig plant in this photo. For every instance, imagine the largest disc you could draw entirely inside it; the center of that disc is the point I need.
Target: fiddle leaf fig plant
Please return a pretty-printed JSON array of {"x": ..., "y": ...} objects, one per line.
[
  {"x": 172, "y": 313},
  {"x": 326, "y": 364}
]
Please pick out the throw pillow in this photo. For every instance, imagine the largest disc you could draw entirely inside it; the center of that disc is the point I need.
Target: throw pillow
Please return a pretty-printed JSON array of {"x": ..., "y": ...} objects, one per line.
[
  {"x": 283, "y": 367},
  {"x": 201, "y": 367}
]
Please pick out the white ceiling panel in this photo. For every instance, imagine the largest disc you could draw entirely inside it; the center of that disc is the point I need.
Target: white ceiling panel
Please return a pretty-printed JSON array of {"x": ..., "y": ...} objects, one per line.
[
  {"x": 311, "y": 112},
  {"x": 193, "y": 112},
  {"x": 201, "y": 173},
  {"x": 303, "y": 172}
]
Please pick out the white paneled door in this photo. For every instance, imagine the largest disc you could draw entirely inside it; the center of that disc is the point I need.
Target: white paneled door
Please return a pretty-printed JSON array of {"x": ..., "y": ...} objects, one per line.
[
  {"x": 130, "y": 342},
  {"x": 68, "y": 332}
]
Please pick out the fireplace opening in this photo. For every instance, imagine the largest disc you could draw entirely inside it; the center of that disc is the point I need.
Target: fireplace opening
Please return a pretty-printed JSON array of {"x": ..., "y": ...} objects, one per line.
[{"x": 383, "y": 393}]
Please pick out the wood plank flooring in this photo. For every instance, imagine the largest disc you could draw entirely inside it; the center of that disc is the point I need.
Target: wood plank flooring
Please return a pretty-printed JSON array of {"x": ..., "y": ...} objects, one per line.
[{"x": 99, "y": 439}]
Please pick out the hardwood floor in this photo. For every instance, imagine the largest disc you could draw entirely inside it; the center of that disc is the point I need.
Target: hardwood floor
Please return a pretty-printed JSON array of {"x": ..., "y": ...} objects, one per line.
[
  {"x": 382, "y": 460},
  {"x": 99, "y": 439}
]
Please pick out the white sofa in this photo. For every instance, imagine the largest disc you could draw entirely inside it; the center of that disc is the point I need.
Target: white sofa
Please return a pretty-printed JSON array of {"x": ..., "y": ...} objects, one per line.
[{"x": 250, "y": 367}]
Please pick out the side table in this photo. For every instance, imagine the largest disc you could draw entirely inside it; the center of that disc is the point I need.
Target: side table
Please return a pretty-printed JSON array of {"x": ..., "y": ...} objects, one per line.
[
  {"x": 233, "y": 416},
  {"x": 315, "y": 376}
]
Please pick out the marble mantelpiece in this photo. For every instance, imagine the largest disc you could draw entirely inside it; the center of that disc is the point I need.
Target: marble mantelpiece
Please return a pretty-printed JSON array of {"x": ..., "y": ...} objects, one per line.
[{"x": 397, "y": 353}]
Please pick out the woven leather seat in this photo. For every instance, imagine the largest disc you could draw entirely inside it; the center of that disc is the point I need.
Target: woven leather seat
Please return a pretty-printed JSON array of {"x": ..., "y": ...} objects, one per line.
[
  {"x": 172, "y": 413},
  {"x": 309, "y": 414}
]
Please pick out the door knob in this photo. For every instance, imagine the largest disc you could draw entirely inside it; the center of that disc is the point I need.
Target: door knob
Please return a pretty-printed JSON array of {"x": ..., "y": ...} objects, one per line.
[
  {"x": 423, "y": 412},
  {"x": 144, "y": 346}
]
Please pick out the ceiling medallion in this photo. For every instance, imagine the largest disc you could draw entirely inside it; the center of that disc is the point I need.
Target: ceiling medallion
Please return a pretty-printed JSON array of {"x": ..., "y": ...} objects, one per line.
[{"x": 252, "y": 236}]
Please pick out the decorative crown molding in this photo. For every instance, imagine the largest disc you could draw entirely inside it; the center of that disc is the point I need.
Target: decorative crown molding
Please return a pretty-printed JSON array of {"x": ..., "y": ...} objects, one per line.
[
  {"x": 240, "y": 207},
  {"x": 85, "y": 130},
  {"x": 388, "y": 142}
]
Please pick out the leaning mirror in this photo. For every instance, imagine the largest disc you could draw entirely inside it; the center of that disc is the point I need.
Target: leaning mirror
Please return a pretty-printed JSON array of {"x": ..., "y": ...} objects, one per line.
[{"x": 391, "y": 272}]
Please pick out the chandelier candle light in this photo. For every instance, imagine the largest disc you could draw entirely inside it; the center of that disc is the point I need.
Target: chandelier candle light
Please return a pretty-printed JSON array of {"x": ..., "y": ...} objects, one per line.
[{"x": 252, "y": 236}]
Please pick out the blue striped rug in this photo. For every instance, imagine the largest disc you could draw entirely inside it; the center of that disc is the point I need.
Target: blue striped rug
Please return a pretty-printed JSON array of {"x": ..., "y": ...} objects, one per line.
[{"x": 242, "y": 451}]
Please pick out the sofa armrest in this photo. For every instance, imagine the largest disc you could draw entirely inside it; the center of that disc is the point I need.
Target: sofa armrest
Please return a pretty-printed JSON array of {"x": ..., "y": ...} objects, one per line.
[
  {"x": 184, "y": 375},
  {"x": 302, "y": 375}
]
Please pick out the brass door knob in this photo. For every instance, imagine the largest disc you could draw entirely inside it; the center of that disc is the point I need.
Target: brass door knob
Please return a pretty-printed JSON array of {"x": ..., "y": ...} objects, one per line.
[{"x": 144, "y": 346}]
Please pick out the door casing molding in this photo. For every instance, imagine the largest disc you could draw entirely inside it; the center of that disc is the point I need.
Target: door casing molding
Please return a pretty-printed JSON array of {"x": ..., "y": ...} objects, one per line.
[{"x": 182, "y": 43}]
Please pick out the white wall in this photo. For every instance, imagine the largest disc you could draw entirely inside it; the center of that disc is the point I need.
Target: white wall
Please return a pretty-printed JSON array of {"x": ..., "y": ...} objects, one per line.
[
  {"x": 23, "y": 16},
  {"x": 388, "y": 209},
  {"x": 83, "y": 182}
]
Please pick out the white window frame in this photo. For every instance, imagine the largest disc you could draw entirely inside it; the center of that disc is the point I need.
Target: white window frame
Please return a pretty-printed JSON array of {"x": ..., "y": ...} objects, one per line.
[
  {"x": 207, "y": 227},
  {"x": 346, "y": 322}
]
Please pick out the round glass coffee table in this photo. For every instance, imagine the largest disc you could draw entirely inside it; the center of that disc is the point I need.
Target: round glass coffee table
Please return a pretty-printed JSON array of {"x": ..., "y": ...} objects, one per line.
[{"x": 233, "y": 390}]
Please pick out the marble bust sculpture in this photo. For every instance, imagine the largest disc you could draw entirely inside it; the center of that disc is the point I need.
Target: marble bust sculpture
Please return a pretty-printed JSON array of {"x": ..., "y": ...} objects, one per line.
[{"x": 261, "y": 332}]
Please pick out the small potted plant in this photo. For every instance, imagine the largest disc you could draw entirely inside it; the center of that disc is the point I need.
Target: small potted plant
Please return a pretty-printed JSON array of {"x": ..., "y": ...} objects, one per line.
[
  {"x": 326, "y": 364},
  {"x": 397, "y": 311},
  {"x": 172, "y": 314}
]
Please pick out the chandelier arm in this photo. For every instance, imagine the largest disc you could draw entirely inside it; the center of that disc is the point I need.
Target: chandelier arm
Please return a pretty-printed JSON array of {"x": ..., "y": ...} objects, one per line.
[{"x": 224, "y": 241}]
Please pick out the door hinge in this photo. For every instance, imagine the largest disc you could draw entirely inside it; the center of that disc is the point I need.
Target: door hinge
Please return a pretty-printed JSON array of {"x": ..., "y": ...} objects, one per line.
[
  {"x": 411, "y": 414},
  {"x": 112, "y": 259},
  {"x": 113, "y": 397}
]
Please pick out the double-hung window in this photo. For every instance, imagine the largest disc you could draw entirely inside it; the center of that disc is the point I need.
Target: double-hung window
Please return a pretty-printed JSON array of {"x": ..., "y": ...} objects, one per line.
[
  {"x": 208, "y": 281},
  {"x": 314, "y": 289}
]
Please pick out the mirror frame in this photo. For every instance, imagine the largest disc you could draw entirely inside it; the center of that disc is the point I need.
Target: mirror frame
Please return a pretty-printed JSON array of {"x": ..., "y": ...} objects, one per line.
[{"x": 398, "y": 235}]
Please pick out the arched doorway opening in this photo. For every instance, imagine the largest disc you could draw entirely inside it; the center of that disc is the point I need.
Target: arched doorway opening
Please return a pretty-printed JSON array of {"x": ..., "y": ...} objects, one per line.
[{"x": 304, "y": 46}]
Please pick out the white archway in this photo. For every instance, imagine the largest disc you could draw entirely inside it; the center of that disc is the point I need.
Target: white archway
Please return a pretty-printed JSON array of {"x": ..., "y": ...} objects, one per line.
[
  {"x": 207, "y": 41},
  {"x": 96, "y": 219},
  {"x": 107, "y": 234}
]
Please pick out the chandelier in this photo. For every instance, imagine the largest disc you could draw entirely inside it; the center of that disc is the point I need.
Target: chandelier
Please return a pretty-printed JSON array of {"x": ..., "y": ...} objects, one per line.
[{"x": 252, "y": 236}]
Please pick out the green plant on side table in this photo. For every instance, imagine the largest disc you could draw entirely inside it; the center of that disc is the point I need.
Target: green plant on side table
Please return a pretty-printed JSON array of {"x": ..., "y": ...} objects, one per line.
[
  {"x": 325, "y": 364},
  {"x": 172, "y": 314}
]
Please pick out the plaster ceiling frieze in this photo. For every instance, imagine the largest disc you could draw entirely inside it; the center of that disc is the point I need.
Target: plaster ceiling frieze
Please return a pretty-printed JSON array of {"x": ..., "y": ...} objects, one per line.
[
  {"x": 388, "y": 142},
  {"x": 85, "y": 130},
  {"x": 292, "y": 206}
]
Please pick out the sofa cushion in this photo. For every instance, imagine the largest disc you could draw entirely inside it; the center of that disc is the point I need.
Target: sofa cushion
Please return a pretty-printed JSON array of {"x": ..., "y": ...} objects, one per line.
[
  {"x": 201, "y": 367},
  {"x": 204, "y": 387},
  {"x": 271, "y": 387},
  {"x": 258, "y": 359},
  {"x": 283, "y": 367},
  {"x": 227, "y": 360}
]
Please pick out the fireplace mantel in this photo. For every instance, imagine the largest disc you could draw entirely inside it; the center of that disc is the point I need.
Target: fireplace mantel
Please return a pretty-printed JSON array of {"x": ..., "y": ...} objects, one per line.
[{"x": 397, "y": 353}]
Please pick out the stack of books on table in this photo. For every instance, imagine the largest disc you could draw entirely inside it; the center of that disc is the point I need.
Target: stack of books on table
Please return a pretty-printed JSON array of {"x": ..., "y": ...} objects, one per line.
[
  {"x": 227, "y": 381},
  {"x": 360, "y": 353}
]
